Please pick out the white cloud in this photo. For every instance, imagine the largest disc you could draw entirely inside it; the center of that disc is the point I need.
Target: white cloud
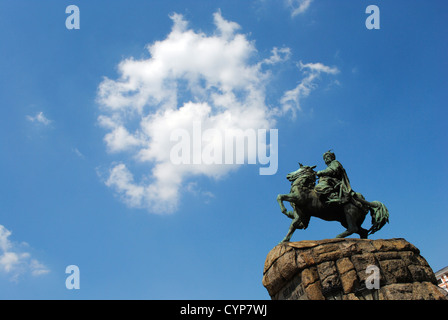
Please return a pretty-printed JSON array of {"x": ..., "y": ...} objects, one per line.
[
  {"x": 39, "y": 118},
  {"x": 298, "y": 6},
  {"x": 15, "y": 262},
  {"x": 122, "y": 180},
  {"x": 38, "y": 268},
  {"x": 226, "y": 28},
  {"x": 312, "y": 71},
  {"x": 188, "y": 77},
  {"x": 278, "y": 55},
  {"x": 120, "y": 139},
  {"x": 78, "y": 153}
]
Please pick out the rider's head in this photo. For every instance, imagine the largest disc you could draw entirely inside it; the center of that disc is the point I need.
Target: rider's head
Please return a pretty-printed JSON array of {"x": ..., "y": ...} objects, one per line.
[{"x": 328, "y": 157}]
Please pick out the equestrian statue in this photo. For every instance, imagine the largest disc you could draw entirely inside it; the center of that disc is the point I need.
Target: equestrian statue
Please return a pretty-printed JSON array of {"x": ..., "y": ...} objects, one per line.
[{"x": 331, "y": 199}]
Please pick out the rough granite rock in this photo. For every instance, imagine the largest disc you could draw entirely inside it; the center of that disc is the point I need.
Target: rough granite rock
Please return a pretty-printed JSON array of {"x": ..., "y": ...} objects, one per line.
[{"x": 338, "y": 269}]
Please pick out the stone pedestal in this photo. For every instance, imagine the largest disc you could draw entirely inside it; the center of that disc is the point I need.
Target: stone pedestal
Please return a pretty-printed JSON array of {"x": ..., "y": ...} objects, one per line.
[{"x": 349, "y": 269}]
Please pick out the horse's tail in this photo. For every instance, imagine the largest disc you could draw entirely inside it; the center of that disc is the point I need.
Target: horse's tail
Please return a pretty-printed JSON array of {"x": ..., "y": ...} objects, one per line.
[
  {"x": 378, "y": 211},
  {"x": 380, "y": 216}
]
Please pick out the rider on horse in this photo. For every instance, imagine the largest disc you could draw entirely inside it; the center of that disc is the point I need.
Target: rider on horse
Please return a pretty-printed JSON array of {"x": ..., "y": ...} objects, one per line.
[
  {"x": 334, "y": 185},
  {"x": 332, "y": 199}
]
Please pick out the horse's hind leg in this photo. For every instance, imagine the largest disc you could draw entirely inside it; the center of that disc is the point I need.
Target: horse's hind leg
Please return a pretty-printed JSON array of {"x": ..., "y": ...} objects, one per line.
[
  {"x": 352, "y": 226},
  {"x": 356, "y": 229},
  {"x": 363, "y": 233},
  {"x": 344, "y": 234}
]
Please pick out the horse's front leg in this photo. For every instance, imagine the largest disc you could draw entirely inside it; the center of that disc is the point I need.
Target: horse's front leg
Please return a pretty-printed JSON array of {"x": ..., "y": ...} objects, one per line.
[
  {"x": 290, "y": 197},
  {"x": 291, "y": 230},
  {"x": 295, "y": 215},
  {"x": 289, "y": 214},
  {"x": 280, "y": 202},
  {"x": 296, "y": 223}
]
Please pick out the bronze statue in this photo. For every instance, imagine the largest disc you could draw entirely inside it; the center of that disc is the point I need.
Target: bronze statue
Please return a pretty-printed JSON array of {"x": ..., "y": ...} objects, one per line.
[
  {"x": 334, "y": 185},
  {"x": 332, "y": 199}
]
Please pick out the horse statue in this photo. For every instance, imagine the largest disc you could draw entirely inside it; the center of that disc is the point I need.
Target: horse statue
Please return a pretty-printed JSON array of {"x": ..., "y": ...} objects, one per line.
[{"x": 307, "y": 203}]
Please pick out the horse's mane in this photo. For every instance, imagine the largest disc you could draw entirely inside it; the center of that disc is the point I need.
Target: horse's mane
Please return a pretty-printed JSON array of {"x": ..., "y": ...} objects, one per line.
[{"x": 304, "y": 181}]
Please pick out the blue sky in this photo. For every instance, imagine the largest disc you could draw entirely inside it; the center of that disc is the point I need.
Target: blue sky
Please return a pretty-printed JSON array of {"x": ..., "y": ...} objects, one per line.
[{"x": 85, "y": 175}]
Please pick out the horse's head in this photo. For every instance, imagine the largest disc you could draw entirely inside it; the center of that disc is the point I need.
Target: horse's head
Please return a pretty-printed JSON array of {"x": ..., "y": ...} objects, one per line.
[{"x": 303, "y": 173}]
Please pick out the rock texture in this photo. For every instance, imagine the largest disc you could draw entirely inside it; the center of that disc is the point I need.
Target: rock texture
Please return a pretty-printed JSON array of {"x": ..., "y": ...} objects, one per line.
[{"x": 337, "y": 269}]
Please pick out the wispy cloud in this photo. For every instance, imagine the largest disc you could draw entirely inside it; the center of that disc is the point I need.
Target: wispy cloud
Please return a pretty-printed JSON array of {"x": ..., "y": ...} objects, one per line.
[
  {"x": 39, "y": 118},
  {"x": 14, "y": 261},
  {"x": 195, "y": 190},
  {"x": 78, "y": 153},
  {"x": 312, "y": 71},
  {"x": 278, "y": 55},
  {"x": 298, "y": 6}
]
